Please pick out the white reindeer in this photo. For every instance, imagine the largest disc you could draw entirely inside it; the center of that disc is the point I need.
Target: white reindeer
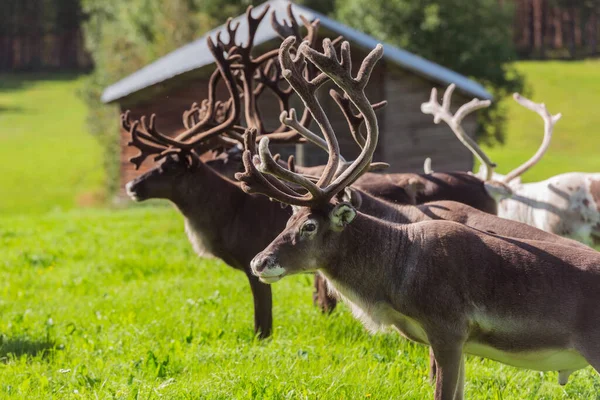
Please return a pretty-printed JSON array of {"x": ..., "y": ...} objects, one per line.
[{"x": 567, "y": 204}]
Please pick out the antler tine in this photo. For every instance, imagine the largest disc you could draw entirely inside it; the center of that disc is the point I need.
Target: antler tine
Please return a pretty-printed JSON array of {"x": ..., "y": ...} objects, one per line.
[
  {"x": 269, "y": 165},
  {"x": 138, "y": 140},
  {"x": 253, "y": 24},
  {"x": 254, "y": 181},
  {"x": 427, "y": 166},
  {"x": 310, "y": 72},
  {"x": 189, "y": 116},
  {"x": 284, "y": 29},
  {"x": 549, "y": 122},
  {"x": 354, "y": 120},
  {"x": 231, "y": 33},
  {"x": 270, "y": 76},
  {"x": 340, "y": 73},
  {"x": 289, "y": 119},
  {"x": 292, "y": 71},
  {"x": 443, "y": 113},
  {"x": 232, "y": 106}
]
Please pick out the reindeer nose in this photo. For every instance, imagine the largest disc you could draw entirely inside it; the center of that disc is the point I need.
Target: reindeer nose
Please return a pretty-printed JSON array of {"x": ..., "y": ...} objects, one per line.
[{"x": 260, "y": 263}]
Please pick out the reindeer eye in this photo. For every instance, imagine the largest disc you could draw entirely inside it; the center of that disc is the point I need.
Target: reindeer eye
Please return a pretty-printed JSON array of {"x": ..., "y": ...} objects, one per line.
[{"x": 309, "y": 227}]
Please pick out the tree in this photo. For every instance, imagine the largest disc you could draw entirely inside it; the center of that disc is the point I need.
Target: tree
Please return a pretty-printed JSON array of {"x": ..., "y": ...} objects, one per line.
[{"x": 470, "y": 37}]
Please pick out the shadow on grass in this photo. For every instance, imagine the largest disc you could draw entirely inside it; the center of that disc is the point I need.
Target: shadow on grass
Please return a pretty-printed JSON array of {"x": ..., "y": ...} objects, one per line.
[
  {"x": 11, "y": 109},
  {"x": 20, "y": 346},
  {"x": 21, "y": 80}
]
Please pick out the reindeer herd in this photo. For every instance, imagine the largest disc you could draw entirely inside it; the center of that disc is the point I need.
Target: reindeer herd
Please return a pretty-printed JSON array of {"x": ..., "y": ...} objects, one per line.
[{"x": 466, "y": 263}]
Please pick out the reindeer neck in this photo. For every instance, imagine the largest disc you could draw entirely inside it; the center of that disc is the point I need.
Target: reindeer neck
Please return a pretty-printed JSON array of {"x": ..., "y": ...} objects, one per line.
[
  {"x": 397, "y": 213},
  {"x": 207, "y": 197},
  {"x": 375, "y": 249}
]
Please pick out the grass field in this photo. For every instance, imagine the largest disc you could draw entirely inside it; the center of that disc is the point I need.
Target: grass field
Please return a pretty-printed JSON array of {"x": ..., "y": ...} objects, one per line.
[
  {"x": 101, "y": 304},
  {"x": 571, "y": 88},
  {"x": 114, "y": 304},
  {"x": 47, "y": 159}
]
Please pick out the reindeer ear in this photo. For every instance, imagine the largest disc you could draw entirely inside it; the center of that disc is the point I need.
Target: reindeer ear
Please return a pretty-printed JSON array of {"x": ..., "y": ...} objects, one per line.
[
  {"x": 351, "y": 196},
  {"x": 413, "y": 188},
  {"x": 341, "y": 215},
  {"x": 498, "y": 190}
]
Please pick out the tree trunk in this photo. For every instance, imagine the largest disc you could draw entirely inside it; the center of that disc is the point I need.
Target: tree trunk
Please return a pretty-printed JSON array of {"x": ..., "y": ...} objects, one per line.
[
  {"x": 577, "y": 31},
  {"x": 538, "y": 25},
  {"x": 568, "y": 17},
  {"x": 593, "y": 32},
  {"x": 558, "y": 31}
]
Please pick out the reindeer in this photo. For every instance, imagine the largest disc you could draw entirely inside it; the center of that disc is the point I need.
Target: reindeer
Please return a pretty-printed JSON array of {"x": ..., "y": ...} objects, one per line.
[
  {"x": 567, "y": 204},
  {"x": 527, "y": 303}
]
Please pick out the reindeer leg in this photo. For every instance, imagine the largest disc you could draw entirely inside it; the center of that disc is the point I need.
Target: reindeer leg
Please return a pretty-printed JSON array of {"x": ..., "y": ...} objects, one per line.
[
  {"x": 591, "y": 352},
  {"x": 460, "y": 388},
  {"x": 449, "y": 360},
  {"x": 432, "y": 366},
  {"x": 321, "y": 295},
  {"x": 263, "y": 306}
]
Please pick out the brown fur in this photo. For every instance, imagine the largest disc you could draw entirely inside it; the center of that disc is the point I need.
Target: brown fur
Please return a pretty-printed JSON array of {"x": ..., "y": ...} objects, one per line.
[
  {"x": 410, "y": 188},
  {"x": 460, "y": 286},
  {"x": 221, "y": 219},
  {"x": 457, "y": 212},
  {"x": 407, "y": 188}
]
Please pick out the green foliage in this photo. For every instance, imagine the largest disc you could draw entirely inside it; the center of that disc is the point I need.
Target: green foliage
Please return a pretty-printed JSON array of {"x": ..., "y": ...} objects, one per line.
[
  {"x": 47, "y": 160},
  {"x": 99, "y": 304},
  {"x": 471, "y": 37}
]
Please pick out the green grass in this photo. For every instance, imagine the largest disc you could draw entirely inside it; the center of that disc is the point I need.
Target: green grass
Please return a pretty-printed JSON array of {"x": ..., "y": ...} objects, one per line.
[
  {"x": 114, "y": 304},
  {"x": 101, "y": 304},
  {"x": 571, "y": 88},
  {"x": 47, "y": 159}
]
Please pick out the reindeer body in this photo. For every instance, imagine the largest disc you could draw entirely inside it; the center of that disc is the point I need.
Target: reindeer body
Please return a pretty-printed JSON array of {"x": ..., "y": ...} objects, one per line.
[
  {"x": 411, "y": 188},
  {"x": 219, "y": 219},
  {"x": 457, "y": 212},
  {"x": 530, "y": 304},
  {"x": 566, "y": 204}
]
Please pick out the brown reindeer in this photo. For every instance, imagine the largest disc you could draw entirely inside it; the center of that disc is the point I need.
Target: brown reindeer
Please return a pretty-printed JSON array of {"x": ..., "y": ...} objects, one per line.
[
  {"x": 527, "y": 303},
  {"x": 567, "y": 204}
]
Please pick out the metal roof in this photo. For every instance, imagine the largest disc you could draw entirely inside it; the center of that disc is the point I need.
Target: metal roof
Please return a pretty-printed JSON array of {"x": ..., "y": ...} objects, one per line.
[{"x": 196, "y": 55}]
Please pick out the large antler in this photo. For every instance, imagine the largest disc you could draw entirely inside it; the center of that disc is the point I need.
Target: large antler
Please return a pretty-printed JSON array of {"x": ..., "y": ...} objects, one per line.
[
  {"x": 442, "y": 113},
  {"x": 153, "y": 145},
  {"x": 254, "y": 180},
  {"x": 549, "y": 122},
  {"x": 204, "y": 124}
]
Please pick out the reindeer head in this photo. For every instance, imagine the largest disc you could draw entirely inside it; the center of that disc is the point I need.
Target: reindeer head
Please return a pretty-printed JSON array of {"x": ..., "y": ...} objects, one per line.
[
  {"x": 315, "y": 231},
  {"x": 311, "y": 238}
]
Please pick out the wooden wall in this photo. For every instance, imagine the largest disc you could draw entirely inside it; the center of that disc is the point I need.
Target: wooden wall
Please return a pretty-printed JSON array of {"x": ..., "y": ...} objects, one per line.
[{"x": 410, "y": 136}]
